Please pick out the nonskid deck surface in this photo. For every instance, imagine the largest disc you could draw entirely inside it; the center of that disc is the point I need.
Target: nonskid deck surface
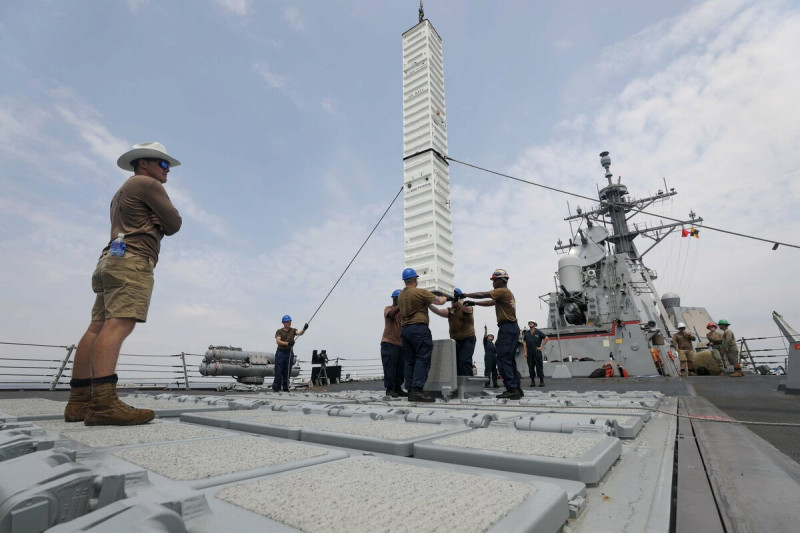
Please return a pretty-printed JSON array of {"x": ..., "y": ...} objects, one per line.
[
  {"x": 589, "y": 458},
  {"x": 213, "y": 470}
]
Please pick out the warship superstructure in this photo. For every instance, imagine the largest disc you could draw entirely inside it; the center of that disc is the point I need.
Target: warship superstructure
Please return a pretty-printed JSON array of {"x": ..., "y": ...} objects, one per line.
[{"x": 605, "y": 306}]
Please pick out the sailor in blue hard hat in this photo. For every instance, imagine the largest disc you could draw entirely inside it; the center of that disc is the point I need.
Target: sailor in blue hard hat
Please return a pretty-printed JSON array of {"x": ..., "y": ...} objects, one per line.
[
  {"x": 461, "y": 323},
  {"x": 284, "y": 338},
  {"x": 392, "y": 350},
  {"x": 417, "y": 340}
]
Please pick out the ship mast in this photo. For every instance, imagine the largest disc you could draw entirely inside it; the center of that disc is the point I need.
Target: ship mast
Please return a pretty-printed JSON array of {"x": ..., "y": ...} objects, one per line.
[{"x": 613, "y": 210}]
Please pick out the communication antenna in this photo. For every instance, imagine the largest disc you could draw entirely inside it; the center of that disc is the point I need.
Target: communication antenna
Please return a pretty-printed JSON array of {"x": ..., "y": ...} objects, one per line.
[{"x": 605, "y": 161}]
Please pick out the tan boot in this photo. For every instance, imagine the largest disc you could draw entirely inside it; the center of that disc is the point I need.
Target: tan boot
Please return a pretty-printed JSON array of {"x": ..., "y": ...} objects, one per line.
[
  {"x": 80, "y": 395},
  {"x": 737, "y": 372},
  {"x": 106, "y": 409}
]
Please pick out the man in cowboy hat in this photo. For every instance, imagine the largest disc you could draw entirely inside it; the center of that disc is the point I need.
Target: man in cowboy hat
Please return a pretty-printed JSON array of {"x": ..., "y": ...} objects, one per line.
[{"x": 141, "y": 214}]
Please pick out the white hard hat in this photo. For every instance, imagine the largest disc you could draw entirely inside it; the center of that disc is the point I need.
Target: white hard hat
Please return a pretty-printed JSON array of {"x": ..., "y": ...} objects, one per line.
[{"x": 681, "y": 325}]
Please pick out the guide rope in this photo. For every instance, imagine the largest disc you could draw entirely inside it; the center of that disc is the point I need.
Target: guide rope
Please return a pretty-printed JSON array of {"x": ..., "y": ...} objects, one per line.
[
  {"x": 562, "y": 191},
  {"x": 356, "y": 255}
]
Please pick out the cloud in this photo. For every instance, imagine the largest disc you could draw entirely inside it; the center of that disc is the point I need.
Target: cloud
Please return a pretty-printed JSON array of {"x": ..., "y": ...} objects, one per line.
[
  {"x": 199, "y": 216},
  {"x": 671, "y": 37},
  {"x": 708, "y": 104},
  {"x": 563, "y": 45},
  {"x": 275, "y": 81},
  {"x": 237, "y": 7},
  {"x": 294, "y": 18},
  {"x": 328, "y": 105},
  {"x": 134, "y": 5},
  {"x": 63, "y": 126},
  {"x": 89, "y": 126},
  {"x": 278, "y": 82}
]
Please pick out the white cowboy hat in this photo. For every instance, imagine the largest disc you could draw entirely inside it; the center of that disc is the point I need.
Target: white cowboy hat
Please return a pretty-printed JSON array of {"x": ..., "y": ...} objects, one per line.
[{"x": 150, "y": 149}]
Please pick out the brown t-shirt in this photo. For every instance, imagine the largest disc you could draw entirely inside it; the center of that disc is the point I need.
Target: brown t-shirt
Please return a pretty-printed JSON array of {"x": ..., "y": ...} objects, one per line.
[
  {"x": 728, "y": 345},
  {"x": 391, "y": 328},
  {"x": 413, "y": 304},
  {"x": 504, "y": 304},
  {"x": 286, "y": 336},
  {"x": 131, "y": 207},
  {"x": 714, "y": 338},
  {"x": 462, "y": 324},
  {"x": 683, "y": 341}
]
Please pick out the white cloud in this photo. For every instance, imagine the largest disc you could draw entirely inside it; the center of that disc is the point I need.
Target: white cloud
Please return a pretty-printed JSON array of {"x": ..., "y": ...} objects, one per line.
[
  {"x": 273, "y": 80},
  {"x": 328, "y": 105},
  {"x": 709, "y": 106},
  {"x": 134, "y": 5},
  {"x": 237, "y": 7},
  {"x": 563, "y": 45},
  {"x": 278, "y": 82},
  {"x": 88, "y": 123},
  {"x": 294, "y": 18},
  {"x": 669, "y": 37},
  {"x": 197, "y": 214}
]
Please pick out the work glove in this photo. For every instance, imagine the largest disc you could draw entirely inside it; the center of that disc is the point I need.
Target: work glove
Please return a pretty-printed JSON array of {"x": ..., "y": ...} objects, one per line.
[
  {"x": 457, "y": 296},
  {"x": 468, "y": 303},
  {"x": 305, "y": 326},
  {"x": 440, "y": 293},
  {"x": 291, "y": 343}
]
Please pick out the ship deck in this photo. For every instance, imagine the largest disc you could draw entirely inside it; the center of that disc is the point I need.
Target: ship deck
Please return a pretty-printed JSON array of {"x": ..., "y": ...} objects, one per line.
[{"x": 690, "y": 466}]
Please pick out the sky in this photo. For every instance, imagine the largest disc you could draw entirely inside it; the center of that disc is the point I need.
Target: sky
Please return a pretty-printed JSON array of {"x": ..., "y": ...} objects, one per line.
[{"x": 287, "y": 118}]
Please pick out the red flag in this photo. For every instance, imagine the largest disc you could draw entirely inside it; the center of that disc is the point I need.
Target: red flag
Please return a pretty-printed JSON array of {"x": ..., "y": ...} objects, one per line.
[{"x": 684, "y": 232}]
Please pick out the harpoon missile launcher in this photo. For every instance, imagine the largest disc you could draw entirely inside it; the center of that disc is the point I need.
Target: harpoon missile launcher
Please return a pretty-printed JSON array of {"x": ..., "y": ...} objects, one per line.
[{"x": 249, "y": 368}]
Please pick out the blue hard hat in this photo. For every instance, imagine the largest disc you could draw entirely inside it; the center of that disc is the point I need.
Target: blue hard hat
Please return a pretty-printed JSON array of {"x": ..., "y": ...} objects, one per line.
[
  {"x": 409, "y": 273},
  {"x": 396, "y": 293},
  {"x": 459, "y": 291},
  {"x": 286, "y": 318}
]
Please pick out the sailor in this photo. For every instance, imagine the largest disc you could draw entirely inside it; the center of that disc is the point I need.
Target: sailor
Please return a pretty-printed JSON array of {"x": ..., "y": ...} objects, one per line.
[
  {"x": 284, "y": 338},
  {"x": 682, "y": 341},
  {"x": 728, "y": 348},
  {"x": 416, "y": 335},
  {"x": 141, "y": 214},
  {"x": 460, "y": 318},
  {"x": 392, "y": 350},
  {"x": 714, "y": 341},
  {"x": 508, "y": 331},
  {"x": 489, "y": 358},
  {"x": 534, "y": 341}
]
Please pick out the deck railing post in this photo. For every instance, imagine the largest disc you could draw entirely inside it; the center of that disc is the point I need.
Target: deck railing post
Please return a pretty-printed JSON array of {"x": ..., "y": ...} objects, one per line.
[
  {"x": 744, "y": 348},
  {"x": 185, "y": 372},
  {"x": 70, "y": 349}
]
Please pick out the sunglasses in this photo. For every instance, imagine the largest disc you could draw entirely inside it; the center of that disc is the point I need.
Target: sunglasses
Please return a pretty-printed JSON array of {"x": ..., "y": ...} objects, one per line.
[{"x": 163, "y": 164}]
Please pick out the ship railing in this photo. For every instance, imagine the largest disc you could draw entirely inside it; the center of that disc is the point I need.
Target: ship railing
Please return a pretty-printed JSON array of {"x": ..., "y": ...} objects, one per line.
[
  {"x": 759, "y": 351},
  {"x": 26, "y": 365}
]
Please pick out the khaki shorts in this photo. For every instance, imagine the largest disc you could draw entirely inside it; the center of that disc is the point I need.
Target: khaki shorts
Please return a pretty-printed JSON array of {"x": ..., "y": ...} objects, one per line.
[
  {"x": 123, "y": 286},
  {"x": 686, "y": 355}
]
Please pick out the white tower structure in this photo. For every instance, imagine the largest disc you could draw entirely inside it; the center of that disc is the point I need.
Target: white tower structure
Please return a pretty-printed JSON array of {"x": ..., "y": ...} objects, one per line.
[{"x": 427, "y": 224}]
